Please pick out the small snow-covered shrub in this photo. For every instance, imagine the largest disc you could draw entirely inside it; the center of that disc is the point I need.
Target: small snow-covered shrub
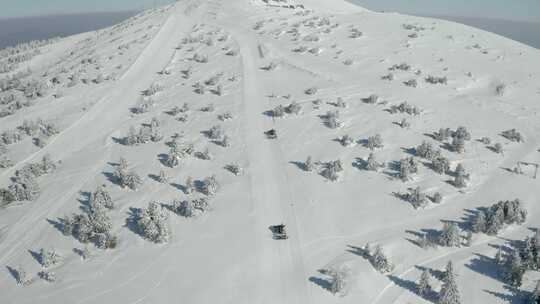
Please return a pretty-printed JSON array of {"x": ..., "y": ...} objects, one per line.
[
  {"x": 405, "y": 107},
  {"x": 346, "y": 140},
  {"x": 436, "y": 80},
  {"x": 235, "y": 169},
  {"x": 48, "y": 258},
  {"x": 411, "y": 83},
  {"x": 374, "y": 142},
  {"x": 311, "y": 91},
  {"x": 332, "y": 169},
  {"x": 210, "y": 185},
  {"x": 293, "y": 108},
  {"x": 331, "y": 120},
  {"x": 417, "y": 198},
  {"x": 372, "y": 164}
]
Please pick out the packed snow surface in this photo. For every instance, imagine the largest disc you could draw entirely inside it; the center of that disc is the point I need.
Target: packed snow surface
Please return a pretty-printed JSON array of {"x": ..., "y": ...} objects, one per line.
[{"x": 214, "y": 74}]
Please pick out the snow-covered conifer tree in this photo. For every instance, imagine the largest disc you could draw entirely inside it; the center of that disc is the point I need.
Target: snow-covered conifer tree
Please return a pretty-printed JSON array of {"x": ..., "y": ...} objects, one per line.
[
  {"x": 162, "y": 177},
  {"x": 424, "y": 284},
  {"x": 48, "y": 258},
  {"x": 372, "y": 164},
  {"x": 417, "y": 198},
  {"x": 534, "y": 297},
  {"x": 499, "y": 259},
  {"x": 479, "y": 222},
  {"x": 449, "y": 293},
  {"x": 308, "y": 164},
  {"x": 380, "y": 261},
  {"x": 514, "y": 269},
  {"x": 189, "y": 188},
  {"x": 102, "y": 197},
  {"x": 21, "y": 277},
  {"x": 450, "y": 235}
]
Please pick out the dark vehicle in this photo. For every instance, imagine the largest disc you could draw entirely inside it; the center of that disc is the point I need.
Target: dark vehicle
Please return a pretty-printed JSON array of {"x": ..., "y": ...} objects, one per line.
[
  {"x": 279, "y": 232},
  {"x": 271, "y": 134}
]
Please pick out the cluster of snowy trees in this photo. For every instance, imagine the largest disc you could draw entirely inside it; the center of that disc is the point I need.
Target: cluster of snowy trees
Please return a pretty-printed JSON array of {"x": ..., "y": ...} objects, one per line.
[
  {"x": 39, "y": 129},
  {"x": 372, "y": 164},
  {"x": 377, "y": 258},
  {"x": 407, "y": 166},
  {"x": 24, "y": 185},
  {"x": 374, "y": 142},
  {"x": 5, "y": 161},
  {"x": 125, "y": 177},
  {"x": 94, "y": 225},
  {"x": 153, "y": 223},
  {"x": 145, "y": 134},
  {"x": 401, "y": 67},
  {"x": 190, "y": 207},
  {"x": 513, "y": 135},
  {"x": 331, "y": 170},
  {"x": 493, "y": 219},
  {"x": 436, "y": 80},
  {"x": 405, "y": 107},
  {"x": 12, "y": 57},
  {"x": 459, "y": 137},
  {"x": 332, "y": 120}
]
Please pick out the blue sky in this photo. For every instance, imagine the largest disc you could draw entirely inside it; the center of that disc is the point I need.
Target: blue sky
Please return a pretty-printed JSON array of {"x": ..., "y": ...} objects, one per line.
[
  {"x": 18, "y": 8},
  {"x": 517, "y": 10}
]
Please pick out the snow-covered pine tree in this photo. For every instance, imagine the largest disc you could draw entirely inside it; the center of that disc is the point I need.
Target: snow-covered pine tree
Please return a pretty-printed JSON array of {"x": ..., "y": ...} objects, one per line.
[
  {"x": 424, "y": 284},
  {"x": 534, "y": 297},
  {"x": 417, "y": 198},
  {"x": 380, "y": 261},
  {"x": 21, "y": 277},
  {"x": 479, "y": 222},
  {"x": 499, "y": 259},
  {"x": 189, "y": 188},
  {"x": 338, "y": 280},
  {"x": 450, "y": 235},
  {"x": 437, "y": 198},
  {"x": 133, "y": 181},
  {"x": 460, "y": 178},
  {"x": 458, "y": 144},
  {"x": 513, "y": 269},
  {"x": 440, "y": 164},
  {"x": 102, "y": 197},
  {"x": 162, "y": 177},
  {"x": 309, "y": 165},
  {"x": 372, "y": 164},
  {"x": 468, "y": 238},
  {"x": 48, "y": 258},
  {"x": 449, "y": 293}
]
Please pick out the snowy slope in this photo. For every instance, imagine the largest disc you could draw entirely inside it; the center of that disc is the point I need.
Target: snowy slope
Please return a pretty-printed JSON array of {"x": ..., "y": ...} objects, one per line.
[{"x": 227, "y": 255}]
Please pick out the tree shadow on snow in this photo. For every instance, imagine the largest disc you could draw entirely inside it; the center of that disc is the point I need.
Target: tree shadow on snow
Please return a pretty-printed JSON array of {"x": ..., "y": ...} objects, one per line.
[
  {"x": 58, "y": 224},
  {"x": 513, "y": 297},
  {"x": 131, "y": 220},
  {"x": 323, "y": 283},
  {"x": 299, "y": 165},
  {"x": 485, "y": 265},
  {"x": 35, "y": 255},
  {"x": 413, "y": 288}
]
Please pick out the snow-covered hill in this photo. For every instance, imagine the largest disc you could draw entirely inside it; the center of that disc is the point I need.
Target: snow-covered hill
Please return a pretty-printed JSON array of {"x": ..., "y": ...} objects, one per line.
[{"x": 187, "y": 91}]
